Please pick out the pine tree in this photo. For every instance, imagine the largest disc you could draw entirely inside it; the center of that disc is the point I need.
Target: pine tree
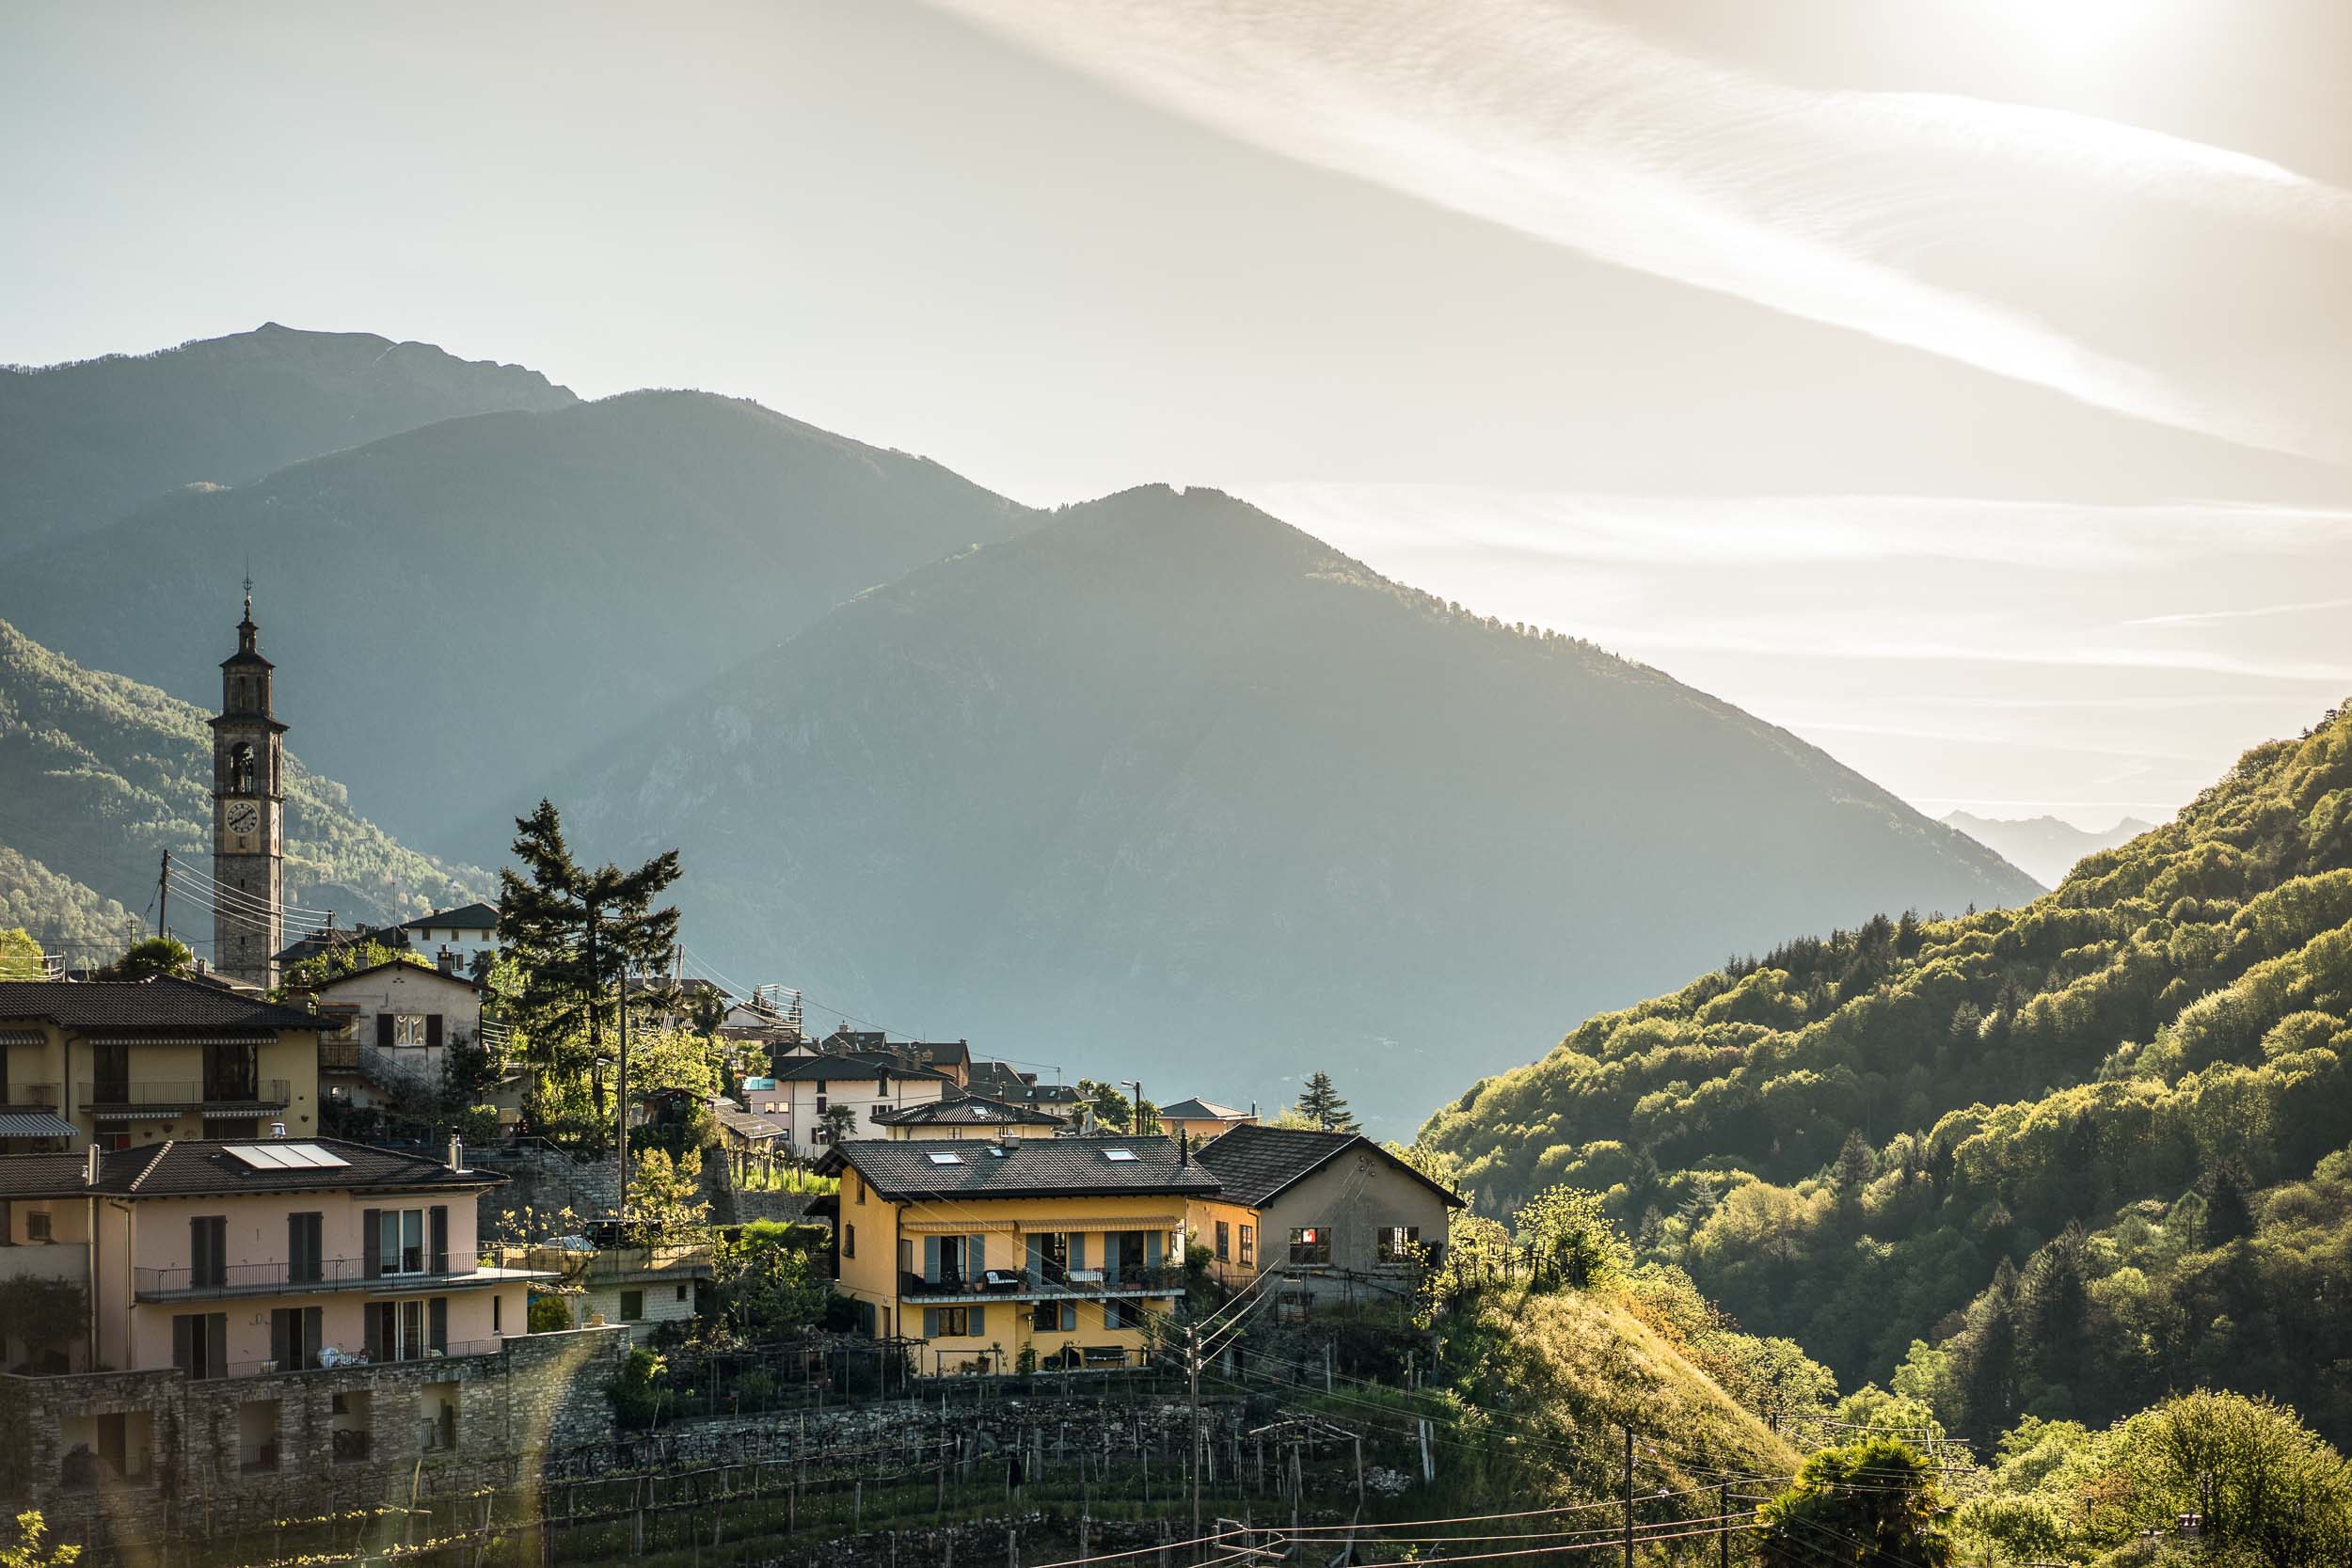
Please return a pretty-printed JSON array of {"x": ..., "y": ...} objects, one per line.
[
  {"x": 574, "y": 934},
  {"x": 2228, "y": 1209},
  {"x": 1320, "y": 1103}
]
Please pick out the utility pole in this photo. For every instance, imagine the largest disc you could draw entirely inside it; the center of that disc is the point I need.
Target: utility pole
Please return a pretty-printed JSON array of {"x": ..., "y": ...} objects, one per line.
[
  {"x": 163, "y": 896},
  {"x": 1722, "y": 1524},
  {"x": 1628, "y": 1495},
  {"x": 623, "y": 1076},
  {"x": 1192, "y": 1370}
]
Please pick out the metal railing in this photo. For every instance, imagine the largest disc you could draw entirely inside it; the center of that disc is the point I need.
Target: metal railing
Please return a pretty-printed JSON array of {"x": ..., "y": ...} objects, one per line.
[
  {"x": 29, "y": 1097},
  {"x": 285, "y": 1279},
  {"x": 339, "y": 1056},
  {"x": 1049, "y": 1280},
  {"x": 150, "y": 1093},
  {"x": 330, "y": 1358}
]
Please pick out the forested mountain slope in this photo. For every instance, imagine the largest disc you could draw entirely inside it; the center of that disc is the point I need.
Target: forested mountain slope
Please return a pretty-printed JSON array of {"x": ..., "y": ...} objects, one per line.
[
  {"x": 84, "y": 443},
  {"x": 454, "y": 609},
  {"x": 99, "y": 775},
  {"x": 2154, "y": 1050},
  {"x": 1169, "y": 781}
]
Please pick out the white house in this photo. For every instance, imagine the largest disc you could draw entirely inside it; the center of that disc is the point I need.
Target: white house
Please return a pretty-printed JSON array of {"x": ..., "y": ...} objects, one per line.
[
  {"x": 466, "y": 930},
  {"x": 803, "y": 1088},
  {"x": 398, "y": 1020}
]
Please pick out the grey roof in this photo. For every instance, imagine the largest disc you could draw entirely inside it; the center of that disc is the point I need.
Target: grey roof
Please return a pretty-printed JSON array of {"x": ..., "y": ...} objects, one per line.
[
  {"x": 34, "y": 1124},
  {"x": 1257, "y": 1164},
  {"x": 204, "y": 1168},
  {"x": 54, "y": 1174},
  {"x": 971, "y": 1110},
  {"x": 1202, "y": 1109},
  {"x": 744, "y": 1123},
  {"x": 435, "y": 971},
  {"x": 1033, "y": 1168},
  {"x": 161, "y": 1006},
  {"x": 846, "y": 1066},
  {"x": 465, "y": 917}
]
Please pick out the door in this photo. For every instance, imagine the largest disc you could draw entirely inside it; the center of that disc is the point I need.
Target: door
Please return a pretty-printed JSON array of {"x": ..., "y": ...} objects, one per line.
[
  {"x": 230, "y": 1072},
  {"x": 110, "y": 1073}
]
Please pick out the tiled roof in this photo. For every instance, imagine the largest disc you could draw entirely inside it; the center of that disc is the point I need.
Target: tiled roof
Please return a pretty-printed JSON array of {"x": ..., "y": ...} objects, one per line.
[
  {"x": 1033, "y": 1168},
  {"x": 204, "y": 1167},
  {"x": 160, "y": 1006},
  {"x": 431, "y": 970},
  {"x": 466, "y": 917},
  {"x": 1257, "y": 1164},
  {"x": 740, "y": 1121},
  {"x": 967, "y": 1110},
  {"x": 41, "y": 1175},
  {"x": 846, "y": 1066},
  {"x": 1202, "y": 1109}
]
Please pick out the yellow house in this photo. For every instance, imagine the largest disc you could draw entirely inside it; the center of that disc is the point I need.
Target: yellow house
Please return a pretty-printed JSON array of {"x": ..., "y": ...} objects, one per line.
[
  {"x": 120, "y": 1063},
  {"x": 1050, "y": 1251}
]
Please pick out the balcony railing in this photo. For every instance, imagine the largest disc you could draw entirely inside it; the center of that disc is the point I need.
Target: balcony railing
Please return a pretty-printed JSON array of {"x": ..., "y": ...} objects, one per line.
[
  {"x": 29, "y": 1097},
  {"x": 149, "y": 1095},
  {"x": 339, "y": 1056},
  {"x": 335, "y": 1358},
  {"x": 278, "y": 1279},
  {"x": 1051, "y": 1281}
]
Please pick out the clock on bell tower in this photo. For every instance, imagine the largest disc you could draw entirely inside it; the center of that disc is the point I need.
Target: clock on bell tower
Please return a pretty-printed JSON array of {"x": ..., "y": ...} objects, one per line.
[{"x": 249, "y": 815}]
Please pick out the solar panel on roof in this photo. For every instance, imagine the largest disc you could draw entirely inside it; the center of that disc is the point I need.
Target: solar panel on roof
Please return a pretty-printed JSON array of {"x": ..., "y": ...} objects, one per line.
[{"x": 286, "y": 1156}]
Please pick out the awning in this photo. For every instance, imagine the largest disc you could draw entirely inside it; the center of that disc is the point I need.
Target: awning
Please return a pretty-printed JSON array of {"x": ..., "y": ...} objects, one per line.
[
  {"x": 1027, "y": 1226},
  {"x": 120, "y": 1039},
  {"x": 21, "y": 1036},
  {"x": 34, "y": 1124}
]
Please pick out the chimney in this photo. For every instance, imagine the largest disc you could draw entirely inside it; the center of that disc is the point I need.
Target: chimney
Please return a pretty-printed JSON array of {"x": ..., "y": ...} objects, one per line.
[
  {"x": 89, "y": 1167},
  {"x": 277, "y": 1129},
  {"x": 445, "y": 960},
  {"x": 456, "y": 1153},
  {"x": 1183, "y": 1147}
]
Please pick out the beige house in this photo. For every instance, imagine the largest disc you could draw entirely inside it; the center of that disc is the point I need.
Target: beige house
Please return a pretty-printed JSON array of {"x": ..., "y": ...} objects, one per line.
[
  {"x": 967, "y": 1116},
  {"x": 805, "y": 1087},
  {"x": 1333, "y": 1213},
  {"x": 1203, "y": 1119},
  {"x": 392, "y": 1028},
  {"x": 120, "y": 1063}
]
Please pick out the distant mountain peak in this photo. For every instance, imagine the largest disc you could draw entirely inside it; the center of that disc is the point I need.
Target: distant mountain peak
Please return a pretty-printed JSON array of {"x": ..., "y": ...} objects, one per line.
[{"x": 2046, "y": 847}]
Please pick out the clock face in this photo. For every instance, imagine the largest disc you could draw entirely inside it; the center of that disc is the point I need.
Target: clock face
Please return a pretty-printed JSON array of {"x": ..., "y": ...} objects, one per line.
[{"x": 243, "y": 816}]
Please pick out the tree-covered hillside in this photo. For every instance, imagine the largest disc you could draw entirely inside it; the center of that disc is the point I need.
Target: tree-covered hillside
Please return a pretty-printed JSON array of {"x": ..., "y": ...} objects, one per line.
[
  {"x": 84, "y": 443},
  {"x": 99, "y": 775},
  {"x": 1893, "y": 1133}
]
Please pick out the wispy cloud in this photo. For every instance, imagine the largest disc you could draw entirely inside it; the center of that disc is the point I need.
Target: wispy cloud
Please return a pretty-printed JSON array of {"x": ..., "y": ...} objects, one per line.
[
  {"x": 1987, "y": 233},
  {"x": 2258, "y": 612}
]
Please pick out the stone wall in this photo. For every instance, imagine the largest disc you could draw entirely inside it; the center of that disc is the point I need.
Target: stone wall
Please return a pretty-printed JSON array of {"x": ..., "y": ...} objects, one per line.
[
  {"x": 507, "y": 1412},
  {"x": 546, "y": 1181}
]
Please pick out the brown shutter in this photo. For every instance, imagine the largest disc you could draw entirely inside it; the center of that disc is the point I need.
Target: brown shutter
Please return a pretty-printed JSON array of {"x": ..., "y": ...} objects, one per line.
[
  {"x": 436, "y": 1323},
  {"x": 371, "y": 1319},
  {"x": 371, "y": 1242},
  {"x": 432, "y": 1029},
  {"x": 215, "y": 1344},
  {"x": 437, "y": 1231},
  {"x": 280, "y": 1336},
  {"x": 384, "y": 1031}
]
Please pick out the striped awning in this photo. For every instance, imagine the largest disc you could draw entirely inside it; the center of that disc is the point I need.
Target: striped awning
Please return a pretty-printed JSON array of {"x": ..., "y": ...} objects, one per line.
[
  {"x": 1027, "y": 1226},
  {"x": 120, "y": 1039},
  {"x": 21, "y": 1036},
  {"x": 34, "y": 1124}
]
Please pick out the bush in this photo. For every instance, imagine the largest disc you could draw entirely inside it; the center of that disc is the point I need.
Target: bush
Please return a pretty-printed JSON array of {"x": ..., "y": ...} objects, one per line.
[{"x": 550, "y": 1314}]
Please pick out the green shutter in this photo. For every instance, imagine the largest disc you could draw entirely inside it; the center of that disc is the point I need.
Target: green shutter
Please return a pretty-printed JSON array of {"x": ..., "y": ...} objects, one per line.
[
  {"x": 1152, "y": 1250},
  {"x": 930, "y": 1322},
  {"x": 1069, "y": 1317},
  {"x": 930, "y": 1261},
  {"x": 976, "y": 1257},
  {"x": 980, "y": 1322}
]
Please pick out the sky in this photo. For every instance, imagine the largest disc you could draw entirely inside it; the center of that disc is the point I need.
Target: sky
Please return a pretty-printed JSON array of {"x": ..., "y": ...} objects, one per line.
[{"x": 1964, "y": 385}]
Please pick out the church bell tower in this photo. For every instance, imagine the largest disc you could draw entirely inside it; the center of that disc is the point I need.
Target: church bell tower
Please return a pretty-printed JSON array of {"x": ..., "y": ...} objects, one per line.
[{"x": 249, "y": 815}]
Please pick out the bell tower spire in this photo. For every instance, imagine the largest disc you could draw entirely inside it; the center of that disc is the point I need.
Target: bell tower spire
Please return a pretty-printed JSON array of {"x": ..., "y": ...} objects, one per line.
[{"x": 249, "y": 814}]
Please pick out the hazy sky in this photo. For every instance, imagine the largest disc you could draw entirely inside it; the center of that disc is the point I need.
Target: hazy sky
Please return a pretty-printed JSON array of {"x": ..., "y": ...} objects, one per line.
[{"x": 1966, "y": 386}]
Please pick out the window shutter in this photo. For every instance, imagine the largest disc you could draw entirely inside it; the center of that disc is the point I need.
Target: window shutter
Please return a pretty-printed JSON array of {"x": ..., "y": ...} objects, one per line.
[
  {"x": 215, "y": 1343},
  {"x": 930, "y": 1263},
  {"x": 371, "y": 1242},
  {"x": 436, "y": 1221},
  {"x": 432, "y": 1029},
  {"x": 930, "y": 1322},
  {"x": 1037, "y": 1257},
  {"x": 371, "y": 1318},
  {"x": 1152, "y": 1253},
  {"x": 436, "y": 1318},
  {"x": 280, "y": 1333},
  {"x": 980, "y": 1322},
  {"x": 183, "y": 1341},
  {"x": 975, "y": 1259},
  {"x": 1077, "y": 1249},
  {"x": 310, "y": 1335},
  {"x": 1069, "y": 1316},
  {"x": 384, "y": 1031}
]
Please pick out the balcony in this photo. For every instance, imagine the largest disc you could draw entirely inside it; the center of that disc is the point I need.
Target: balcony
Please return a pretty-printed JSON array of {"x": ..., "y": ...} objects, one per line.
[
  {"x": 29, "y": 1097},
  {"x": 1051, "y": 1283},
  {"x": 332, "y": 1358},
  {"x": 329, "y": 1274},
  {"x": 149, "y": 1097},
  {"x": 339, "y": 1056}
]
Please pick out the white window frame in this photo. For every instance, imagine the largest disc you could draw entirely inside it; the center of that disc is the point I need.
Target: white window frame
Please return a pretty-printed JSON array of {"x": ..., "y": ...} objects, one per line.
[
  {"x": 408, "y": 1029},
  {"x": 392, "y": 1231}
]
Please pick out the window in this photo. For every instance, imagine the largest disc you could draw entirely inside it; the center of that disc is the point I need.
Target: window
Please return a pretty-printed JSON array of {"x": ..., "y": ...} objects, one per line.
[
  {"x": 1397, "y": 1242},
  {"x": 681, "y": 1292},
  {"x": 37, "y": 1225},
  {"x": 857, "y": 1188},
  {"x": 498, "y": 1314},
  {"x": 199, "y": 1344},
  {"x": 632, "y": 1306},
  {"x": 1224, "y": 1242},
  {"x": 849, "y": 1241},
  {"x": 1122, "y": 1314},
  {"x": 405, "y": 1241},
  {"x": 1249, "y": 1245},
  {"x": 208, "y": 1252},
  {"x": 304, "y": 1264},
  {"x": 954, "y": 1321},
  {"x": 1311, "y": 1245},
  {"x": 1119, "y": 1156},
  {"x": 407, "y": 1028},
  {"x": 820, "y": 1105}
]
